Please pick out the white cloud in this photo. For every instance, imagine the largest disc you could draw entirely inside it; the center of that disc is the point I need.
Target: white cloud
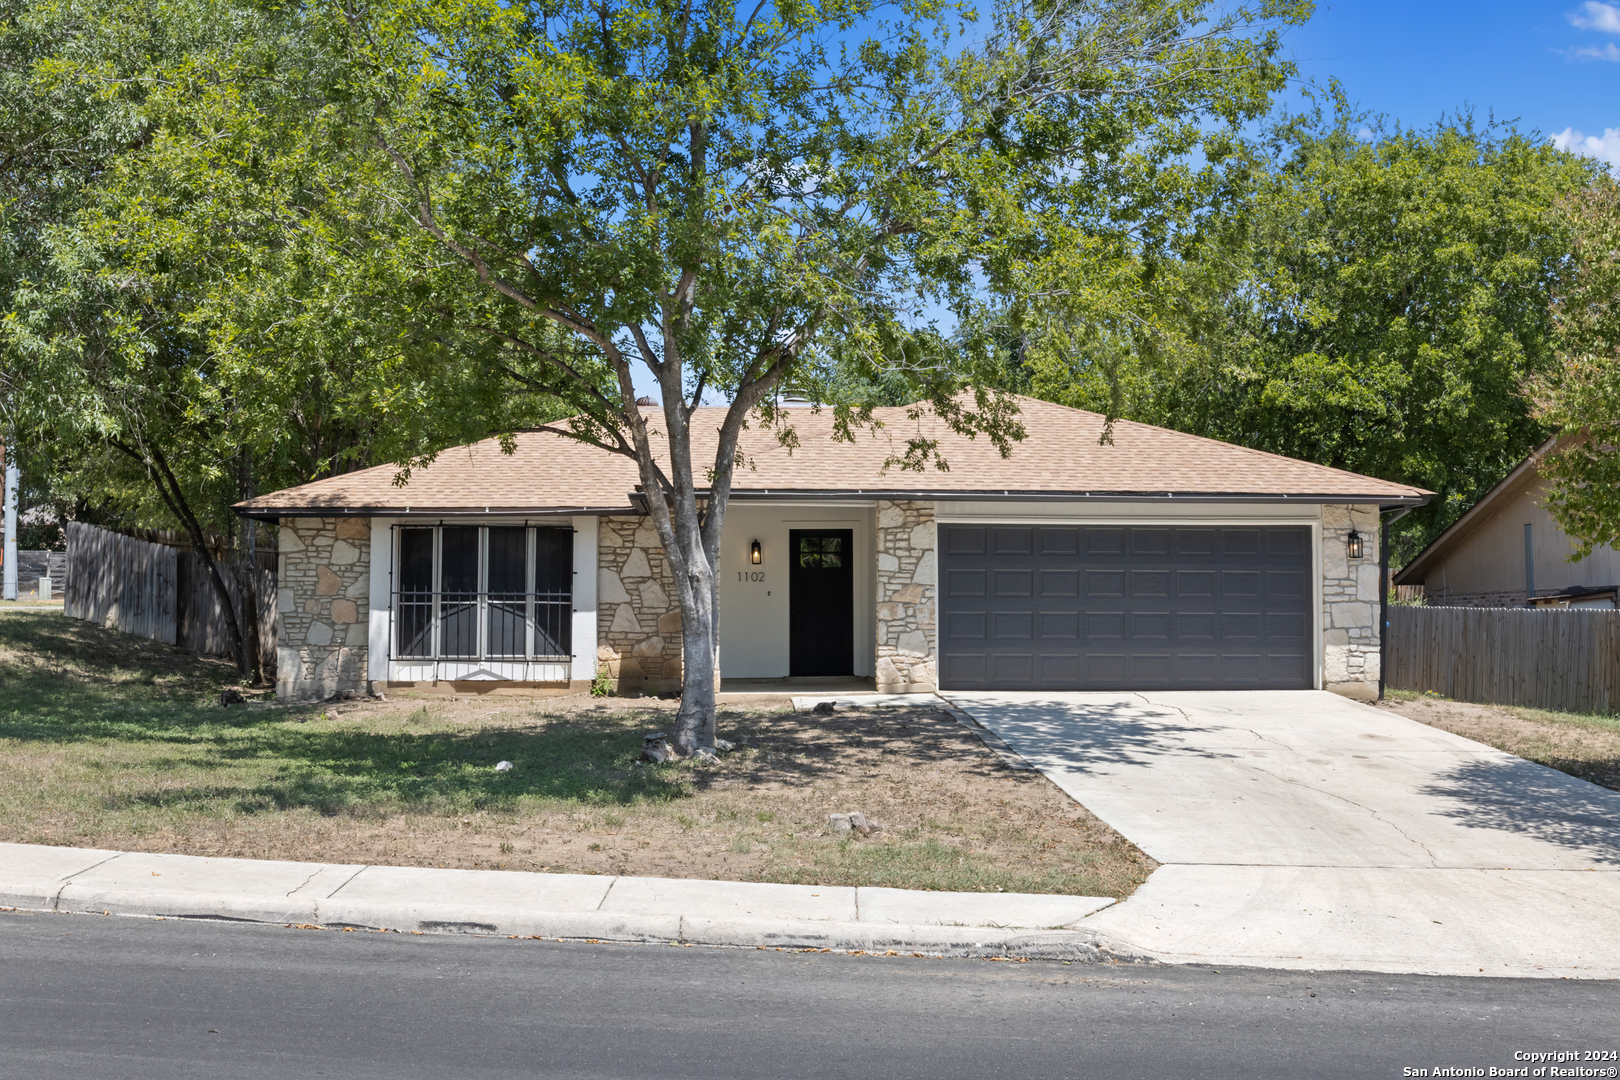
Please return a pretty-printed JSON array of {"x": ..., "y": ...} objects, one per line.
[
  {"x": 1596, "y": 16},
  {"x": 1605, "y": 147},
  {"x": 1609, "y": 52}
]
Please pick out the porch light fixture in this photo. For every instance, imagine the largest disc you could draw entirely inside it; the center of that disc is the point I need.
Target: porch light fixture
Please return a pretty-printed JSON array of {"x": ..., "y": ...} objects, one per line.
[
  {"x": 1354, "y": 544},
  {"x": 754, "y": 555}
]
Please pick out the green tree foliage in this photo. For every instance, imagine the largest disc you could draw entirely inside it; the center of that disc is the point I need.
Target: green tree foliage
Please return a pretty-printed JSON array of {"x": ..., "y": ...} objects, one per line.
[
  {"x": 735, "y": 199},
  {"x": 1580, "y": 394},
  {"x": 1363, "y": 297},
  {"x": 169, "y": 346}
]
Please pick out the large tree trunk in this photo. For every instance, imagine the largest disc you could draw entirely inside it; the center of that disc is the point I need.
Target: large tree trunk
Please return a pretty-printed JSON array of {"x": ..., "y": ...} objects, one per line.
[
  {"x": 247, "y": 581},
  {"x": 174, "y": 497},
  {"x": 700, "y": 640}
]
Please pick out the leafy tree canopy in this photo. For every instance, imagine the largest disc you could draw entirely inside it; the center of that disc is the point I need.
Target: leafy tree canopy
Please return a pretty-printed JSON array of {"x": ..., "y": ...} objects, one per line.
[
  {"x": 437, "y": 209},
  {"x": 1580, "y": 394},
  {"x": 1368, "y": 297}
]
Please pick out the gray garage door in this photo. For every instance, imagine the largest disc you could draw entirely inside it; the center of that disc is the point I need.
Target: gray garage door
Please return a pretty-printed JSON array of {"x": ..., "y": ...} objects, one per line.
[{"x": 1124, "y": 608}]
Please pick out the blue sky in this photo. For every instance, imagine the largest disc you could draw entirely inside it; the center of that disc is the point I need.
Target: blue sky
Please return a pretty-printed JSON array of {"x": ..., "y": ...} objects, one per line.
[
  {"x": 1553, "y": 67},
  {"x": 1550, "y": 67}
]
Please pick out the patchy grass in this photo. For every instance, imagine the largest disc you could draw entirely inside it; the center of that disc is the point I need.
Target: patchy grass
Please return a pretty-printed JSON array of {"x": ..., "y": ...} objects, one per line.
[
  {"x": 113, "y": 741},
  {"x": 1586, "y": 745}
]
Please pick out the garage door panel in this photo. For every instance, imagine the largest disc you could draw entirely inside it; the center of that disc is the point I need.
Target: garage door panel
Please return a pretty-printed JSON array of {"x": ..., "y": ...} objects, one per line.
[
  {"x": 1013, "y": 541},
  {"x": 962, "y": 668},
  {"x": 1287, "y": 627},
  {"x": 1058, "y": 583},
  {"x": 1014, "y": 582},
  {"x": 1105, "y": 582},
  {"x": 1012, "y": 669},
  {"x": 1241, "y": 626},
  {"x": 1195, "y": 583},
  {"x": 1104, "y": 626},
  {"x": 1196, "y": 625},
  {"x": 1071, "y": 607},
  {"x": 1103, "y": 542},
  {"x": 1197, "y": 669},
  {"x": 1150, "y": 582},
  {"x": 1060, "y": 624},
  {"x": 1240, "y": 583},
  {"x": 1013, "y": 625},
  {"x": 964, "y": 583},
  {"x": 1058, "y": 541},
  {"x": 1150, "y": 669},
  {"x": 1148, "y": 626},
  {"x": 1243, "y": 669},
  {"x": 1240, "y": 541},
  {"x": 1195, "y": 541},
  {"x": 1058, "y": 669}
]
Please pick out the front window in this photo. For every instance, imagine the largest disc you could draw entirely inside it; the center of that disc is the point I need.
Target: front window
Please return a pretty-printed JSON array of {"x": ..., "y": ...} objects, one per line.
[{"x": 477, "y": 592}]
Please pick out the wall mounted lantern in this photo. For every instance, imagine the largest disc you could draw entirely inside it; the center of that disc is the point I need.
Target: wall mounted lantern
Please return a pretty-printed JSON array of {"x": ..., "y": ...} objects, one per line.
[
  {"x": 754, "y": 555},
  {"x": 1354, "y": 544}
]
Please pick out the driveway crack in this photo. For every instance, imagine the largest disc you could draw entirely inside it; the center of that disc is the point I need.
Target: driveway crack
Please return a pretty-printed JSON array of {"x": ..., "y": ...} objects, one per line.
[{"x": 1369, "y": 811}]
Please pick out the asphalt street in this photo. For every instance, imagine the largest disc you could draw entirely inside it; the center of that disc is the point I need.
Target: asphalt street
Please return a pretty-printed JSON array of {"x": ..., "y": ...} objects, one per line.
[{"x": 86, "y": 996}]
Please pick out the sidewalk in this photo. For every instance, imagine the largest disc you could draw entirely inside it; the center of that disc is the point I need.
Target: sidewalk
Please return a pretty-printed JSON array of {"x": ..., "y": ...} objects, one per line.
[{"x": 563, "y": 906}]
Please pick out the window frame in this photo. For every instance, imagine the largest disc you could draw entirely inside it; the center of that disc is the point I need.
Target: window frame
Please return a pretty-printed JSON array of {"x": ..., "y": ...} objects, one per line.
[{"x": 533, "y": 604}]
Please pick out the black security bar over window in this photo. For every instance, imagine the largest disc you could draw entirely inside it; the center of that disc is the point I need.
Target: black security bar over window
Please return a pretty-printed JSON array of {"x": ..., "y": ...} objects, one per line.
[{"x": 484, "y": 592}]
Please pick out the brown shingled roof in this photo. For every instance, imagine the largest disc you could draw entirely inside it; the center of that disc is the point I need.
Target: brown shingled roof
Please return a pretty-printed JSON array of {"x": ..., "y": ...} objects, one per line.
[{"x": 1059, "y": 457}]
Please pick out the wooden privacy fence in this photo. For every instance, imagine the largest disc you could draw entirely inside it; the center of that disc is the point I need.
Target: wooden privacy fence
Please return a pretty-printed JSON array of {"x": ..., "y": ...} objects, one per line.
[
  {"x": 1566, "y": 659},
  {"x": 161, "y": 592},
  {"x": 121, "y": 582}
]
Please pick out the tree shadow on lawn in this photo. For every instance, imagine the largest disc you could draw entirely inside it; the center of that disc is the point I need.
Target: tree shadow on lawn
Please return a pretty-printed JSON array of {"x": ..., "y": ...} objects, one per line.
[
  {"x": 63, "y": 680},
  {"x": 591, "y": 759}
]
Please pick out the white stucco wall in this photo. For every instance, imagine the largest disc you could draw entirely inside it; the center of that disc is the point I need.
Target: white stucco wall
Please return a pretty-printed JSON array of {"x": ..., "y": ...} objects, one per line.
[{"x": 754, "y": 613}]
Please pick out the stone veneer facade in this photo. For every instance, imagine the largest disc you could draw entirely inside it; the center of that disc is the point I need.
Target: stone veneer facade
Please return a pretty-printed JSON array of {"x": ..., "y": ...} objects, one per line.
[
  {"x": 323, "y": 584},
  {"x": 906, "y": 598},
  {"x": 638, "y": 618},
  {"x": 1350, "y": 645}
]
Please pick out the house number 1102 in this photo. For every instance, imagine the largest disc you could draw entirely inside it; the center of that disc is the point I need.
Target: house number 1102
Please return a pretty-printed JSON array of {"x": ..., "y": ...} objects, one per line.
[{"x": 750, "y": 575}]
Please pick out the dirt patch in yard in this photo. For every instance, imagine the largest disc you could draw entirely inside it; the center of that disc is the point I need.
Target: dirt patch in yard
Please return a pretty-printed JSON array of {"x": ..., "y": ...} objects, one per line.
[
  {"x": 110, "y": 741},
  {"x": 1583, "y": 746}
]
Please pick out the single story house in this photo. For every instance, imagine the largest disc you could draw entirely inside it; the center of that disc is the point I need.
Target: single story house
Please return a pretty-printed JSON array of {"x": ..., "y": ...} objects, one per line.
[
  {"x": 1161, "y": 560},
  {"x": 1508, "y": 551}
]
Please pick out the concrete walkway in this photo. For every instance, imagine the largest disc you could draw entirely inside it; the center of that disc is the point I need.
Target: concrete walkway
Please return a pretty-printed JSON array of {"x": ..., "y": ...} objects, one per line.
[
  {"x": 563, "y": 906},
  {"x": 1303, "y": 830}
]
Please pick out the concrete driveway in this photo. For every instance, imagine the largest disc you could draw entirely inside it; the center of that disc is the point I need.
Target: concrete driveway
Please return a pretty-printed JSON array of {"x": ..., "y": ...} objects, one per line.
[{"x": 1300, "y": 829}]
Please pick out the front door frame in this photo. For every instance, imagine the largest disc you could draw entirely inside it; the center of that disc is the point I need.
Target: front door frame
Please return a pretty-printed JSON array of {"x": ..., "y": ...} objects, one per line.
[{"x": 806, "y": 617}]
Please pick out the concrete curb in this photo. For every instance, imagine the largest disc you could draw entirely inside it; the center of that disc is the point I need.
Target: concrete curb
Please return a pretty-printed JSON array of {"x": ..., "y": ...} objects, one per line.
[{"x": 556, "y": 906}]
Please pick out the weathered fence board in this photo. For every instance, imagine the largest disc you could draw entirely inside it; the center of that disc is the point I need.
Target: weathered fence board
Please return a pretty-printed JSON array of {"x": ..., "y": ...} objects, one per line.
[
  {"x": 1548, "y": 658},
  {"x": 120, "y": 582},
  {"x": 202, "y": 619},
  {"x": 111, "y": 581}
]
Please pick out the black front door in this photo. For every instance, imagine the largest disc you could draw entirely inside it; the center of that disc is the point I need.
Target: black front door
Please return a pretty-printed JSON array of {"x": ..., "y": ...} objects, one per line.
[{"x": 821, "y": 602}]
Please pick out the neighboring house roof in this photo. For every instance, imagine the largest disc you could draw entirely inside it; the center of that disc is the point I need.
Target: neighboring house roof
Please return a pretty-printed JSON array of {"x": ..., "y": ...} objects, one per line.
[
  {"x": 1514, "y": 483},
  {"x": 1060, "y": 457}
]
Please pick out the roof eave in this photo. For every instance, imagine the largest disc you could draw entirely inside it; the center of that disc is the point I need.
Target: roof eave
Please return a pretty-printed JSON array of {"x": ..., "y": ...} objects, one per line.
[{"x": 631, "y": 504}]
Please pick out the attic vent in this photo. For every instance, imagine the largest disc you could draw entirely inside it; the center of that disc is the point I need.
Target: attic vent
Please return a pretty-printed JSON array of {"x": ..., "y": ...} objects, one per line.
[{"x": 647, "y": 401}]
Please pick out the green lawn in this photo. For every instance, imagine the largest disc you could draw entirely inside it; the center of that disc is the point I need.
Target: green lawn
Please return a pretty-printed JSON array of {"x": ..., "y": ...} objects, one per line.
[{"x": 113, "y": 741}]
